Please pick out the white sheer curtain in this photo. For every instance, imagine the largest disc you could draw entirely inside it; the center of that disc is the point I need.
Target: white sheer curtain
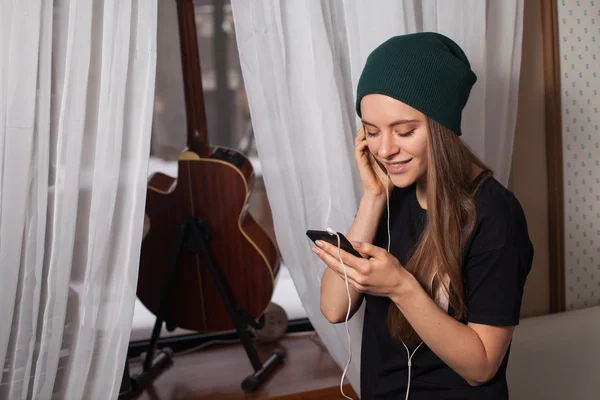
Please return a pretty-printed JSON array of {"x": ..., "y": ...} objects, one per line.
[
  {"x": 301, "y": 61},
  {"x": 76, "y": 97}
]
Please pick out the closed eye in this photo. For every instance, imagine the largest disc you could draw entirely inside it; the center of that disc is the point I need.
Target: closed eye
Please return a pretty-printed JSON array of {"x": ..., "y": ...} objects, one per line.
[{"x": 407, "y": 134}]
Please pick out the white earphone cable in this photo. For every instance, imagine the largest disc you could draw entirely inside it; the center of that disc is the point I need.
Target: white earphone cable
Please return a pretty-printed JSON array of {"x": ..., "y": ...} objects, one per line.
[
  {"x": 387, "y": 198},
  {"x": 410, "y": 356},
  {"x": 347, "y": 315}
]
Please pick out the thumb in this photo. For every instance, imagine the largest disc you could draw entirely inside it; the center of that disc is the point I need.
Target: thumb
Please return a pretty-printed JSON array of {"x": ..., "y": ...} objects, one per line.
[{"x": 369, "y": 249}]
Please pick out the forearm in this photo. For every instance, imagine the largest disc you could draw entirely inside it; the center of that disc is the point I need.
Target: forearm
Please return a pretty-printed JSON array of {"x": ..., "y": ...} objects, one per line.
[
  {"x": 457, "y": 344},
  {"x": 334, "y": 297},
  {"x": 365, "y": 224}
]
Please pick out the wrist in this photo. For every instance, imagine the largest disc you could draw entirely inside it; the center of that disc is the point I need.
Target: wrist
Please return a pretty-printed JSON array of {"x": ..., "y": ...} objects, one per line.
[
  {"x": 369, "y": 199},
  {"x": 405, "y": 289}
]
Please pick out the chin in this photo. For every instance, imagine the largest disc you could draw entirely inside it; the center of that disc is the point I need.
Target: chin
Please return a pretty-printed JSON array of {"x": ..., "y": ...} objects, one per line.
[{"x": 403, "y": 180}]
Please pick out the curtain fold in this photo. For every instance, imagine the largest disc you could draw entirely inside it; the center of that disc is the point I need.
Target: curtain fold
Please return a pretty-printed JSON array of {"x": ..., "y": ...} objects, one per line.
[{"x": 76, "y": 100}]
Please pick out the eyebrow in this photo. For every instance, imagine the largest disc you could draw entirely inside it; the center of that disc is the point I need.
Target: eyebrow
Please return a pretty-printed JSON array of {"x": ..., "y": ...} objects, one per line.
[{"x": 398, "y": 122}]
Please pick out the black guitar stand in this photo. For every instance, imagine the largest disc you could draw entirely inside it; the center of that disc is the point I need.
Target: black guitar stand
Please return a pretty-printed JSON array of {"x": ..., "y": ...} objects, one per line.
[{"x": 193, "y": 235}]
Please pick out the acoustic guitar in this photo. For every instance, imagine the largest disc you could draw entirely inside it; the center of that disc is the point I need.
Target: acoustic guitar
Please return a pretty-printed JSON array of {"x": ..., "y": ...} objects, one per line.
[{"x": 214, "y": 185}]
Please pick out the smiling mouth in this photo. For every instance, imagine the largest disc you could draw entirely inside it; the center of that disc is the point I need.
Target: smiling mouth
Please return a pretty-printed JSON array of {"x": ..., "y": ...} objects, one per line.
[
  {"x": 397, "y": 167},
  {"x": 399, "y": 163}
]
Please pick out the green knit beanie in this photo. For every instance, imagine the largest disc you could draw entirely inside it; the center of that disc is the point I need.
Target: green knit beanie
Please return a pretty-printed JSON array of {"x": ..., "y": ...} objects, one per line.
[{"x": 426, "y": 70}]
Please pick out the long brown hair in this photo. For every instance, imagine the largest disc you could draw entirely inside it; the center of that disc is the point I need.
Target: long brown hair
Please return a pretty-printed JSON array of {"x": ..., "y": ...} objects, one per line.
[{"x": 450, "y": 221}]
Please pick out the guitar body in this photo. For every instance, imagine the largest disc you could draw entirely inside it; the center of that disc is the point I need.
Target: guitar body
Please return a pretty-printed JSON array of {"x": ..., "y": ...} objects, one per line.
[
  {"x": 215, "y": 189},
  {"x": 212, "y": 188}
]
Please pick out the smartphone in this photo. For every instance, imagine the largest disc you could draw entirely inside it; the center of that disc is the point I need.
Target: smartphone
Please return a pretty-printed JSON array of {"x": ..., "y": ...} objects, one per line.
[{"x": 326, "y": 237}]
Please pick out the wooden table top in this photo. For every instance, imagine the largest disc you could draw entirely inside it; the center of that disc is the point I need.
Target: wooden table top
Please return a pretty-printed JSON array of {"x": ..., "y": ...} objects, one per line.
[{"x": 216, "y": 373}]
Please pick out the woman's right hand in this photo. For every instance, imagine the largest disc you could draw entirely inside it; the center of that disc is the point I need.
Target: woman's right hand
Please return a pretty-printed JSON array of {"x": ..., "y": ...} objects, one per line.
[{"x": 372, "y": 178}]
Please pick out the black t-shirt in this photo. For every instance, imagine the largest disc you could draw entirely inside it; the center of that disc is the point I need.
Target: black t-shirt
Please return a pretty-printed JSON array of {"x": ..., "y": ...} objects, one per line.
[{"x": 496, "y": 261}]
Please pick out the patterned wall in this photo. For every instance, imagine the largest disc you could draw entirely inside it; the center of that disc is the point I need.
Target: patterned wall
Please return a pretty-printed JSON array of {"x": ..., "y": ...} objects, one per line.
[{"x": 579, "y": 36}]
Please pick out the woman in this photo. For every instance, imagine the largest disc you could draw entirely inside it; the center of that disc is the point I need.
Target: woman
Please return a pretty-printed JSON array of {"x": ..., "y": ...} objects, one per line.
[{"x": 443, "y": 271}]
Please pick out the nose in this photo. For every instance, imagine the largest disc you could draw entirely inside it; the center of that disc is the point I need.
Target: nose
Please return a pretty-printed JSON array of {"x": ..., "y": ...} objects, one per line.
[{"x": 387, "y": 148}]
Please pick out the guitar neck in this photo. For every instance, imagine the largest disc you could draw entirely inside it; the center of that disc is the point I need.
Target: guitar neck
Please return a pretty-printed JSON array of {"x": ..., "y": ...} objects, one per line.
[{"x": 197, "y": 132}]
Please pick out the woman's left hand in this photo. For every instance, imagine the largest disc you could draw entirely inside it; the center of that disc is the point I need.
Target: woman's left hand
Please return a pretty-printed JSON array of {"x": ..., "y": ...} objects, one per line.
[{"x": 379, "y": 275}]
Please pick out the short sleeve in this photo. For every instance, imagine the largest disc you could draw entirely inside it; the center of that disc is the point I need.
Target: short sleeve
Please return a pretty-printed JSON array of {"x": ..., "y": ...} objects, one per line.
[
  {"x": 494, "y": 285},
  {"x": 498, "y": 259}
]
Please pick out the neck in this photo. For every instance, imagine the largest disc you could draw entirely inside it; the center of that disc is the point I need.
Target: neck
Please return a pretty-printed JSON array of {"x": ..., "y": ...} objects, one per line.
[{"x": 475, "y": 171}]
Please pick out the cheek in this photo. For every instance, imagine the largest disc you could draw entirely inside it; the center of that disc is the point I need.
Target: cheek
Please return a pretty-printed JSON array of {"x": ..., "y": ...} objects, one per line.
[
  {"x": 372, "y": 146},
  {"x": 417, "y": 149}
]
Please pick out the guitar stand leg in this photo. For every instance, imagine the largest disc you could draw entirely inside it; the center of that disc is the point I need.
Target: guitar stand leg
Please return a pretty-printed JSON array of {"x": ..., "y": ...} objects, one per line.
[
  {"x": 157, "y": 360},
  {"x": 125, "y": 390},
  {"x": 261, "y": 370}
]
